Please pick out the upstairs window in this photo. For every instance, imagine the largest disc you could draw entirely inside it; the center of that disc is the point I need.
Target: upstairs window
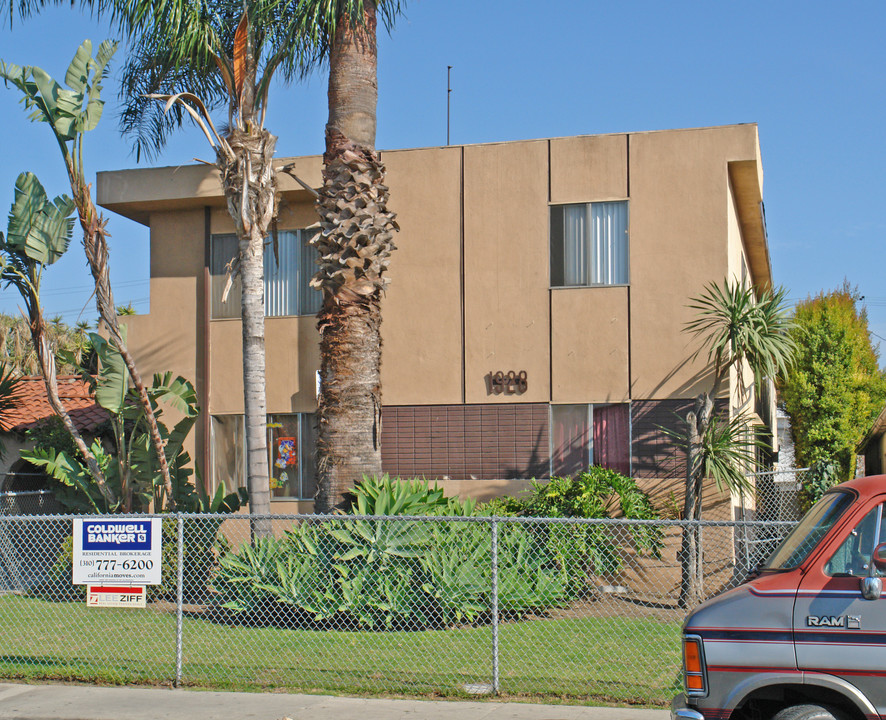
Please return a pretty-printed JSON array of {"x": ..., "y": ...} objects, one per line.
[
  {"x": 287, "y": 277},
  {"x": 589, "y": 244}
]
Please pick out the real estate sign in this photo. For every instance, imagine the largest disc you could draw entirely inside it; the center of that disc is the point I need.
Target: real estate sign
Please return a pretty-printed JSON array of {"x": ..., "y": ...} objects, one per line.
[
  {"x": 117, "y": 552},
  {"x": 111, "y": 596}
]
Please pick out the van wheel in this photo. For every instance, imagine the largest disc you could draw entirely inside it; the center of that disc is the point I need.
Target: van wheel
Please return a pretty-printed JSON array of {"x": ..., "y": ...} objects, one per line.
[{"x": 808, "y": 712}]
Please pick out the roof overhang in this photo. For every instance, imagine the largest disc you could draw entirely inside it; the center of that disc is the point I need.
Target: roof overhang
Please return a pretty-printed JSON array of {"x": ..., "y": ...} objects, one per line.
[
  {"x": 135, "y": 194},
  {"x": 744, "y": 176}
]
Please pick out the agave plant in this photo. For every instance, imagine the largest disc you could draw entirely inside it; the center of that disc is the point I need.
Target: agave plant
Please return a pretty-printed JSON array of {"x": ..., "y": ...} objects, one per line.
[{"x": 737, "y": 326}]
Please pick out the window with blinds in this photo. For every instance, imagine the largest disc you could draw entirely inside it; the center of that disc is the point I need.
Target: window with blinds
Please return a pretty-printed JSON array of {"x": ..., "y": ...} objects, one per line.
[
  {"x": 287, "y": 276},
  {"x": 589, "y": 244}
]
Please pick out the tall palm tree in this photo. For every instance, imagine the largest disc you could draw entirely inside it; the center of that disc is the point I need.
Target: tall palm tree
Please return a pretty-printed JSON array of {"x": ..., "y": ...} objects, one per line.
[
  {"x": 741, "y": 328},
  {"x": 356, "y": 235},
  {"x": 199, "y": 57},
  {"x": 355, "y": 243}
]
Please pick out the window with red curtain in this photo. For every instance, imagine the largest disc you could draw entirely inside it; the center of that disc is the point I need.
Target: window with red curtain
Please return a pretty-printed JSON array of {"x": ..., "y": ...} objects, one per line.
[{"x": 612, "y": 437}]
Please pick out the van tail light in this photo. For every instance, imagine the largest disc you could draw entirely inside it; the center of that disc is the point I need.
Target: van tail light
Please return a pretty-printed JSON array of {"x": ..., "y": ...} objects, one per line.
[{"x": 695, "y": 676}]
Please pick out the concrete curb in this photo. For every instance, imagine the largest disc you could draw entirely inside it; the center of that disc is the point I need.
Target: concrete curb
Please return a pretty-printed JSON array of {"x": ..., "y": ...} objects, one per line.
[{"x": 85, "y": 702}]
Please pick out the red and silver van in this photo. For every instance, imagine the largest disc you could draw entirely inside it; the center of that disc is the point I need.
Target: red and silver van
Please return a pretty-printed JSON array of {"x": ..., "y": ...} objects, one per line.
[{"x": 805, "y": 639}]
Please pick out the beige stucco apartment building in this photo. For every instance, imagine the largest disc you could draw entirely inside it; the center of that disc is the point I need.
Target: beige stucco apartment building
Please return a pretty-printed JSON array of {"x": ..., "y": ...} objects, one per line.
[{"x": 534, "y": 318}]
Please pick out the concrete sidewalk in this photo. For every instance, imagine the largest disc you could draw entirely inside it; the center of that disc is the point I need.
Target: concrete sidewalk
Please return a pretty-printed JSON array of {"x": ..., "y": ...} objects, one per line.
[{"x": 84, "y": 702}]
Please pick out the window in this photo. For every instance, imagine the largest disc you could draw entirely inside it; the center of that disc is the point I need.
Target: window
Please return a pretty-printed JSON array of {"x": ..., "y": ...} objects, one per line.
[
  {"x": 589, "y": 244},
  {"x": 853, "y": 557},
  {"x": 585, "y": 435},
  {"x": 801, "y": 541},
  {"x": 291, "y": 440},
  {"x": 287, "y": 278}
]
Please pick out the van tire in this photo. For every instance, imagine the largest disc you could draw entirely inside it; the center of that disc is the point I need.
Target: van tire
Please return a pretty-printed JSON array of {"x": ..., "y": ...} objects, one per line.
[{"x": 807, "y": 712}]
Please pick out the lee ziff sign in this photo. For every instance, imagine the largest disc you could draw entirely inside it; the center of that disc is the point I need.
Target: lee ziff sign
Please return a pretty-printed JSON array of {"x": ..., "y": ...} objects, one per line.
[{"x": 117, "y": 551}]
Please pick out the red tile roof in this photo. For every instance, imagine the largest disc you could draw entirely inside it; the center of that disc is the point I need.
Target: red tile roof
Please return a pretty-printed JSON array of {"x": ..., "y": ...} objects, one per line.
[{"x": 32, "y": 407}]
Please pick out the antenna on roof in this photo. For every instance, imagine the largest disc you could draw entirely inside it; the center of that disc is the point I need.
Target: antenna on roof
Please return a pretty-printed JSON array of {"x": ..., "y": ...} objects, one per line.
[{"x": 448, "y": 93}]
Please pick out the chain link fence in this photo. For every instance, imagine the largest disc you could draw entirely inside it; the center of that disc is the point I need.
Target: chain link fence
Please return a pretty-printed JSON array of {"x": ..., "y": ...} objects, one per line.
[
  {"x": 431, "y": 605},
  {"x": 777, "y": 494}
]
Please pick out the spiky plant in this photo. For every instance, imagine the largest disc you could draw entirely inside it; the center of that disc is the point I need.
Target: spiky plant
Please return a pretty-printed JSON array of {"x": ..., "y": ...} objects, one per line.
[{"x": 740, "y": 327}]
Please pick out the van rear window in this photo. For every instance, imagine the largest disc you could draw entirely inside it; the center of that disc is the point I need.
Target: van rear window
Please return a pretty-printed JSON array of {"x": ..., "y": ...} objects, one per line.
[{"x": 795, "y": 548}]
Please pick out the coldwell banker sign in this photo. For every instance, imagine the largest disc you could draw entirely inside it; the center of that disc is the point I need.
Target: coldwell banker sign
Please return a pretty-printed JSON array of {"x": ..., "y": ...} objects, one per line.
[{"x": 117, "y": 551}]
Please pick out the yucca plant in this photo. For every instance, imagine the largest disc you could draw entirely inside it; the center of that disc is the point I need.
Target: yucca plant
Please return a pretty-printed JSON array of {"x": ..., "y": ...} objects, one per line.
[{"x": 737, "y": 325}]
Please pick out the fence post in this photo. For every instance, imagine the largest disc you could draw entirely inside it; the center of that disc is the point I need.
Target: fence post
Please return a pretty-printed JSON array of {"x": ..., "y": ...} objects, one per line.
[
  {"x": 496, "y": 684},
  {"x": 179, "y": 594},
  {"x": 701, "y": 550}
]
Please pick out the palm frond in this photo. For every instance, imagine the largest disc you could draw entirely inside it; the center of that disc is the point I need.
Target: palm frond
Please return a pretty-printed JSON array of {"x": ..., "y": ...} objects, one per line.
[
  {"x": 727, "y": 449},
  {"x": 735, "y": 324}
]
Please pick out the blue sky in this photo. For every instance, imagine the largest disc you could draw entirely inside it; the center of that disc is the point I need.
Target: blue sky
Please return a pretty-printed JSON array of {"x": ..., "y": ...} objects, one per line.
[{"x": 810, "y": 73}]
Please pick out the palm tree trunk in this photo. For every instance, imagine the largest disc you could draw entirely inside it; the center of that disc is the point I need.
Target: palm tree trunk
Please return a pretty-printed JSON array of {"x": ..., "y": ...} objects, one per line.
[
  {"x": 250, "y": 188},
  {"x": 354, "y": 244},
  {"x": 691, "y": 590}
]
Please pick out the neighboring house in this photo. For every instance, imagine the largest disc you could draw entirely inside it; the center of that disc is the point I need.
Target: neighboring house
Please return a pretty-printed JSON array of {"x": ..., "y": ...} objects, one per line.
[
  {"x": 32, "y": 408},
  {"x": 534, "y": 320},
  {"x": 873, "y": 447}
]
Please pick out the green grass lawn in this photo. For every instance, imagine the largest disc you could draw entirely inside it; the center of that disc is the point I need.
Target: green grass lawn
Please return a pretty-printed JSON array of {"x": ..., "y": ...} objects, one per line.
[{"x": 603, "y": 659}]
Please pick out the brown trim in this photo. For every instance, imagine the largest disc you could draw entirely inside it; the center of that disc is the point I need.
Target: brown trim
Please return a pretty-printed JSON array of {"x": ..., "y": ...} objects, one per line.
[
  {"x": 206, "y": 364},
  {"x": 550, "y": 292},
  {"x": 461, "y": 271},
  {"x": 628, "y": 161},
  {"x": 549, "y": 172},
  {"x": 630, "y": 360}
]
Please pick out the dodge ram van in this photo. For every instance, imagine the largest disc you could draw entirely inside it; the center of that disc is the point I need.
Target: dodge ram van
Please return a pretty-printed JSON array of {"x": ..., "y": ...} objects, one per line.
[{"x": 805, "y": 637}]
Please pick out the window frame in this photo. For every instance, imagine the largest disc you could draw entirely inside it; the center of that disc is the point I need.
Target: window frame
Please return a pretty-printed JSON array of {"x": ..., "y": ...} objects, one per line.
[
  {"x": 303, "y": 418},
  {"x": 589, "y": 449},
  {"x": 303, "y": 234},
  {"x": 552, "y": 205}
]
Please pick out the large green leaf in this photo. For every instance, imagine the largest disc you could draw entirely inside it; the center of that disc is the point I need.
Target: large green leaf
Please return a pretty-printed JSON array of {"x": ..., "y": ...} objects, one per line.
[
  {"x": 39, "y": 229},
  {"x": 77, "y": 77},
  {"x": 30, "y": 198},
  {"x": 178, "y": 393},
  {"x": 113, "y": 380},
  {"x": 61, "y": 107},
  {"x": 94, "y": 105}
]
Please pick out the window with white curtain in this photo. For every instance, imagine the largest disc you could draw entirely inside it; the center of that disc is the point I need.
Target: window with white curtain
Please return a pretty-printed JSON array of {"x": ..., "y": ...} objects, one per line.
[
  {"x": 287, "y": 276},
  {"x": 589, "y": 244}
]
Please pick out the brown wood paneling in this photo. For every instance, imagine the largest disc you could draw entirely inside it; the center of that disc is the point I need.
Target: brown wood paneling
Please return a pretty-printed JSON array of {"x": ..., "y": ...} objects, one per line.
[{"x": 463, "y": 442}]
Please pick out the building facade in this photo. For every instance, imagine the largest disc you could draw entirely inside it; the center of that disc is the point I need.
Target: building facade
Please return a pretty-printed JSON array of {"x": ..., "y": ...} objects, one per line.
[{"x": 534, "y": 320}]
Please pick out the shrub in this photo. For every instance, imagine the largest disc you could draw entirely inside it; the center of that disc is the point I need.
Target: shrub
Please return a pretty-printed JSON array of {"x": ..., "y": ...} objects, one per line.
[
  {"x": 379, "y": 574},
  {"x": 584, "y": 550}
]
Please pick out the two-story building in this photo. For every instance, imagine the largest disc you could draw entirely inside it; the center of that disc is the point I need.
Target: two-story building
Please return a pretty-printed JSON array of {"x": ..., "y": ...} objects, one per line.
[{"x": 534, "y": 320}]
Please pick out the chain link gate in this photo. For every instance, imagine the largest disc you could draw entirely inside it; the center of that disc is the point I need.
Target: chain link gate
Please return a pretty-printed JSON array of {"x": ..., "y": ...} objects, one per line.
[{"x": 411, "y": 605}]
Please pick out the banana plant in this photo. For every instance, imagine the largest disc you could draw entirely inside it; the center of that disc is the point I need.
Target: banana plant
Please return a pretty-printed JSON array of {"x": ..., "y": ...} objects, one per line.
[
  {"x": 71, "y": 112},
  {"x": 38, "y": 234},
  {"x": 140, "y": 477}
]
